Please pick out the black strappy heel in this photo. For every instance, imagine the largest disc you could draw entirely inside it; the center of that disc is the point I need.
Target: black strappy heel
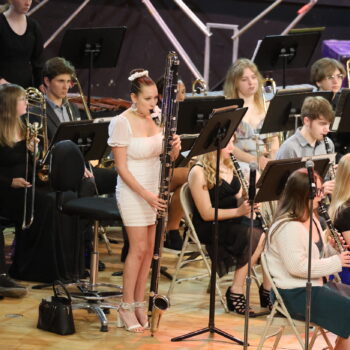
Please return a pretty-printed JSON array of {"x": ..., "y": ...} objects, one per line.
[{"x": 237, "y": 303}]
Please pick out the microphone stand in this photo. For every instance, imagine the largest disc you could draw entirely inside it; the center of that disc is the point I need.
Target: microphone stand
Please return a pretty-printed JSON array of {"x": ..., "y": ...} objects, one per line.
[{"x": 308, "y": 283}]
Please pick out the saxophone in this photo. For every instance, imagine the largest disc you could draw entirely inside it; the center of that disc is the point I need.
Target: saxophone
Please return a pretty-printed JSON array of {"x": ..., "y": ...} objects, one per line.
[
  {"x": 158, "y": 303},
  {"x": 245, "y": 188}
]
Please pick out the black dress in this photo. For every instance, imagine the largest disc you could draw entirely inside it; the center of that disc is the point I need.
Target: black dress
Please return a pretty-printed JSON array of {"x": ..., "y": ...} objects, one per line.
[
  {"x": 21, "y": 56},
  {"x": 233, "y": 233},
  {"x": 52, "y": 247}
]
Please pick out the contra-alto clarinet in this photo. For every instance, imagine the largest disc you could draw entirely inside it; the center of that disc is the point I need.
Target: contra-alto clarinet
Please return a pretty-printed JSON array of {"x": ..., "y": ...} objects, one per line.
[
  {"x": 158, "y": 303},
  {"x": 245, "y": 188}
]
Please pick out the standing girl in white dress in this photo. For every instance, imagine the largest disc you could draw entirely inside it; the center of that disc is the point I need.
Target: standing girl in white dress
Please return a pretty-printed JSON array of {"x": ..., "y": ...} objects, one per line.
[{"x": 136, "y": 142}]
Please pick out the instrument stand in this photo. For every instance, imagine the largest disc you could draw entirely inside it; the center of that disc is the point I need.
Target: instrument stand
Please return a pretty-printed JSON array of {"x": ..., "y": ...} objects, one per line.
[
  {"x": 92, "y": 48},
  {"x": 215, "y": 136},
  {"x": 286, "y": 51}
]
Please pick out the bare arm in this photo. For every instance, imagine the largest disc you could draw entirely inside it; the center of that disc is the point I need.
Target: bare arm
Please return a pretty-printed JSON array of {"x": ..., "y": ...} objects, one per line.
[{"x": 202, "y": 201}]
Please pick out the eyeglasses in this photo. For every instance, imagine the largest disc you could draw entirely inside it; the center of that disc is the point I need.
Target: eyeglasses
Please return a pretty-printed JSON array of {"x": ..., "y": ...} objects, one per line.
[{"x": 335, "y": 77}]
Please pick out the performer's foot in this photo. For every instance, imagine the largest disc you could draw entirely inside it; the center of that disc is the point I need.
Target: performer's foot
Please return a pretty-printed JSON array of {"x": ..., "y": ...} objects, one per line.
[
  {"x": 10, "y": 288},
  {"x": 237, "y": 303},
  {"x": 127, "y": 318},
  {"x": 140, "y": 313}
]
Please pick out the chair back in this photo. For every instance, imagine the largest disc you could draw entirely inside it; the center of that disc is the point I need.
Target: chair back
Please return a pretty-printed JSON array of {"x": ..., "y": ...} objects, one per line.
[
  {"x": 66, "y": 166},
  {"x": 187, "y": 205},
  {"x": 279, "y": 303}
]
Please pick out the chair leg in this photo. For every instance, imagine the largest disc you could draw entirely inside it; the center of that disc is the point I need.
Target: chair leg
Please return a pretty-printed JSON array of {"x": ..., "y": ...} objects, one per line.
[
  {"x": 269, "y": 320},
  {"x": 324, "y": 335},
  {"x": 103, "y": 234},
  {"x": 94, "y": 257},
  {"x": 278, "y": 338},
  {"x": 178, "y": 266}
]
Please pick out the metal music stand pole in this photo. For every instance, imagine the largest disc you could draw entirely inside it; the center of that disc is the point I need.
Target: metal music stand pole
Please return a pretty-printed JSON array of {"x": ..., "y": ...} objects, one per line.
[{"x": 215, "y": 135}]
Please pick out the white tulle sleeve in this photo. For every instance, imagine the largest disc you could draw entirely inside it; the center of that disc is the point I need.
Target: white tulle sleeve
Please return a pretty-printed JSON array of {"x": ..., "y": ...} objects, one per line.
[{"x": 119, "y": 132}]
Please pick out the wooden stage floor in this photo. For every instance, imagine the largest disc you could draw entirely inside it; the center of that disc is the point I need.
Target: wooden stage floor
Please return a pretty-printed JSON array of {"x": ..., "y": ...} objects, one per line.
[{"x": 188, "y": 312}]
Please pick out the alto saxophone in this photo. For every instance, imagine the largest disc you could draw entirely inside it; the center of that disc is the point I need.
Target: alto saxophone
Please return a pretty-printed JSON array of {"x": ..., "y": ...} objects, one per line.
[
  {"x": 245, "y": 190},
  {"x": 158, "y": 303}
]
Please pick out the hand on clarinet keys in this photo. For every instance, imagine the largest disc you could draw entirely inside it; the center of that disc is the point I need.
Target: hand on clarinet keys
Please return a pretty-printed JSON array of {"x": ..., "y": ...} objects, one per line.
[{"x": 155, "y": 202}]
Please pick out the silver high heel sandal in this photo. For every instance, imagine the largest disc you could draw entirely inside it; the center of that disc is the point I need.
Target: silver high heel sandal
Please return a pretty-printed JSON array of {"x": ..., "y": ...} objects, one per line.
[
  {"x": 142, "y": 305},
  {"x": 120, "y": 321}
]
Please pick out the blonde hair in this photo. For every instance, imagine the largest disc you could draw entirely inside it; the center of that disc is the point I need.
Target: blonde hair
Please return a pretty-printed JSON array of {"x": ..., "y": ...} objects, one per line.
[
  {"x": 208, "y": 161},
  {"x": 235, "y": 73},
  {"x": 9, "y": 121},
  {"x": 341, "y": 193}
]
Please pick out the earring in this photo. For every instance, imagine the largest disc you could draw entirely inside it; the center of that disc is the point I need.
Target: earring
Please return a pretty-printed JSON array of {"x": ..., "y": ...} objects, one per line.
[{"x": 134, "y": 107}]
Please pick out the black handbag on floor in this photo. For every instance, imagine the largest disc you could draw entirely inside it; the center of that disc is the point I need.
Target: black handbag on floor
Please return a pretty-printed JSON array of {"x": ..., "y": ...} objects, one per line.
[{"x": 56, "y": 315}]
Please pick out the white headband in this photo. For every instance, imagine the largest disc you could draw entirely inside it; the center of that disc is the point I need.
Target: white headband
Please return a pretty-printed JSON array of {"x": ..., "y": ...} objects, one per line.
[{"x": 136, "y": 75}]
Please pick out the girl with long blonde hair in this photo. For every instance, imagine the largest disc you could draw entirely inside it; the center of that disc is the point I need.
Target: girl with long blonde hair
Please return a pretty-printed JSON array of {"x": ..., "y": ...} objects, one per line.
[
  {"x": 233, "y": 223},
  {"x": 243, "y": 80}
]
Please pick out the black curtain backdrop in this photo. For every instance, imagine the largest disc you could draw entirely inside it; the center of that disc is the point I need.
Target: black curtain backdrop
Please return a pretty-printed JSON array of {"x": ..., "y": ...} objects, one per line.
[{"x": 146, "y": 45}]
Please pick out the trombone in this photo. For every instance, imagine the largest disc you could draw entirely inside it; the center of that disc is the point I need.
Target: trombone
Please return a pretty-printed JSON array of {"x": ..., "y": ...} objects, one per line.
[
  {"x": 199, "y": 86},
  {"x": 36, "y": 106}
]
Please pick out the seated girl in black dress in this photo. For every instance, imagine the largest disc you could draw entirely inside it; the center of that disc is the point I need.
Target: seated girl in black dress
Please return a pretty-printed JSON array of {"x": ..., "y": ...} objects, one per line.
[
  {"x": 233, "y": 224},
  {"x": 50, "y": 248}
]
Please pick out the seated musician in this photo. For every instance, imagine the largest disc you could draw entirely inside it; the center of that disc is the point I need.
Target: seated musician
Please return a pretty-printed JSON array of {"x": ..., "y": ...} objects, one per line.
[
  {"x": 45, "y": 251},
  {"x": 243, "y": 80},
  {"x": 58, "y": 75},
  {"x": 12, "y": 151},
  {"x": 317, "y": 116},
  {"x": 287, "y": 250},
  {"x": 328, "y": 75},
  {"x": 233, "y": 225}
]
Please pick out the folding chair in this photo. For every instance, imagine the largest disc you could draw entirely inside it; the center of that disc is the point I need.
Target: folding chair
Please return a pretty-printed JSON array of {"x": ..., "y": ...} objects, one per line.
[
  {"x": 285, "y": 320},
  {"x": 191, "y": 245}
]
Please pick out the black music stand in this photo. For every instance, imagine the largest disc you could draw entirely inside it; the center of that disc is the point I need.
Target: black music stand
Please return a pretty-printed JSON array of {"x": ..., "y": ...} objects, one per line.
[
  {"x": 92, "y": 48},
  {"x": 215, "y": 136},
  {"x": 286, "y": 51},
  {"x": 341, "y": 122},
  {"x": 274, "y": 177},
  {"x": 284, "y": 110},
  {"x": 89, "y": 136},
  {"x": 194, "y": 113}
]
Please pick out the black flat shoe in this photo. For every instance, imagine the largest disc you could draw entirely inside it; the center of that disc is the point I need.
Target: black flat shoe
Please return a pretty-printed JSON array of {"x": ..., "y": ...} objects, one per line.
[
  {"x": 237, "y": 303},
  {"x": 265, "y": 300}
]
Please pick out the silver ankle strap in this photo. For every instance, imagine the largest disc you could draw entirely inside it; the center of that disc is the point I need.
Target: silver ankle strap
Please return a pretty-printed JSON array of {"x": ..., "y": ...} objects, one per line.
[{"x": 141, "y": 304}]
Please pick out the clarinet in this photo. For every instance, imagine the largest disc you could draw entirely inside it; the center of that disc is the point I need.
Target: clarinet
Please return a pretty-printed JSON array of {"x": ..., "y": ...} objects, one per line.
[
  {"x": 323, "y": 207},
  {"x": 246, "y": 189},
  {"x": 333, "y": 231},
  {"x": 159, "y": 303},
  {"x": 328, "y": 150}
]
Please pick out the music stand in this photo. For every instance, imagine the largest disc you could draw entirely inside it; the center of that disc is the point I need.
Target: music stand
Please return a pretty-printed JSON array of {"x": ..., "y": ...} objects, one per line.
[
  {"x": 286, "y": 51},
  {"x": 92, "y": 48},
  {"x": 194, "y": 113},
  {"x": 341, "y": 122},
  {"x": 284, "y": 110},
  {"x": 215, "y": 136},
  {"x": 90, "y": 137},
  {"x": 274, "y": 176}
]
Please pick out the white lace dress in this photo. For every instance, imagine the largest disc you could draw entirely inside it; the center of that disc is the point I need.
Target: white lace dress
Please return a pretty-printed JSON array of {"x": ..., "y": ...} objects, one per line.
[{"x": 143, "y": 162}]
